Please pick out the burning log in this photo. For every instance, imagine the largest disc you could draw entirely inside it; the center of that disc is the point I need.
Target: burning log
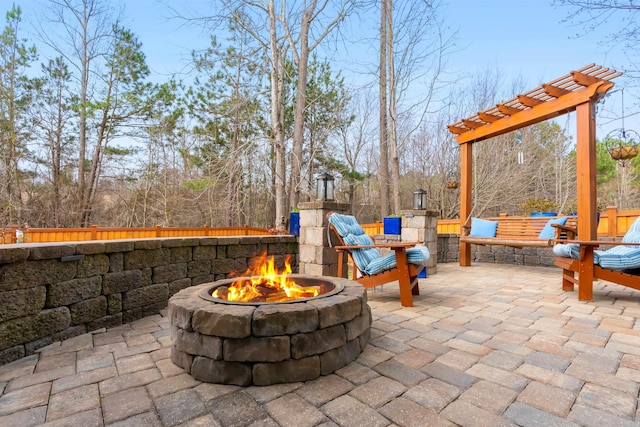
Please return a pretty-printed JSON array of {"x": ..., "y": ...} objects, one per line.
[{"x": 265, "y": 284}]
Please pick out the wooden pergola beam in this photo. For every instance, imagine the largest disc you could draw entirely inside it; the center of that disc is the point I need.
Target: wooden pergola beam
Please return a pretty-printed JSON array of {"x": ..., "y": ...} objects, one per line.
[
  {"x": 554, "y": 91},
  {"x": 506, "y": 110},
  {"x": 472, "y": 124},
  {"x": 489, "y": 118},
  {"x": 539, "y": 113},
  {"x": 584, "y": 79},
  {"x": 457, "y": 130},
  {"x": 529, "y": 101}
]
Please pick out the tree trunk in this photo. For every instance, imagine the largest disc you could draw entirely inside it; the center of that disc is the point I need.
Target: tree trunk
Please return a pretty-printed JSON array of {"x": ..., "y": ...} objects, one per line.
[
  {"x": 299, "y": 116},
  {"x": 393, "y": 133},
  {"x": 82, "y": 125},
  {"x": 383, "y": 170},
  {"x": 277, "y": 117}
]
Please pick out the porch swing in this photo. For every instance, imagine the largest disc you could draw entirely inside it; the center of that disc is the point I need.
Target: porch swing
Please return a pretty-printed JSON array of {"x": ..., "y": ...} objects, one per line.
[
  {"x": 535, "y": 231},
  {"x": 577, "y": 91}
]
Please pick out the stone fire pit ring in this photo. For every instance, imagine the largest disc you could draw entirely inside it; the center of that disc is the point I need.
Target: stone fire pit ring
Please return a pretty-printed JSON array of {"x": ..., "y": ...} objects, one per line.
[{"x": 270, "y": 343}]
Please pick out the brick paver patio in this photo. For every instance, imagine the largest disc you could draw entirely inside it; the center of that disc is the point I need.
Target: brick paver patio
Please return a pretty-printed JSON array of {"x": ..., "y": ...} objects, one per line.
[{"x": 487, "y": 345}]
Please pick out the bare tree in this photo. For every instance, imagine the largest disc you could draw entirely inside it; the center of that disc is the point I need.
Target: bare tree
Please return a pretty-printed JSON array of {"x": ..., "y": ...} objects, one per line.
[
  {"x": 415, "y": 48},
  {"x": 15, "y": 98},
  {"x": 354, "y": 134},
  {"x": 86, "y": 34},
  {"x": 278, "y": 29},
  {"x": 383, "y": 168},
  {"x": 301, "y": 45},
  {"x": 591, "y": 15},
  {"x": 53, "y": 117}
]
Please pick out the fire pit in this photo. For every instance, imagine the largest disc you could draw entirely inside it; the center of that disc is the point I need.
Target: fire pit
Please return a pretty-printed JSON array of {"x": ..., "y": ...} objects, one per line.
[{"x": 268, "y": 340}]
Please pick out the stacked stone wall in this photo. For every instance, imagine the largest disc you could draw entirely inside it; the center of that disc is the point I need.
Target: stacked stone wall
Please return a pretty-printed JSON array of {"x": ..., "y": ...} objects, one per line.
[{"x": 51, "y": 292}]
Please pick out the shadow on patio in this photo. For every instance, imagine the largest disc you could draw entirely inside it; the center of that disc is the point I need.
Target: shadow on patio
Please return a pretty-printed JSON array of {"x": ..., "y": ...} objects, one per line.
[{"x": 483, "y": 345}]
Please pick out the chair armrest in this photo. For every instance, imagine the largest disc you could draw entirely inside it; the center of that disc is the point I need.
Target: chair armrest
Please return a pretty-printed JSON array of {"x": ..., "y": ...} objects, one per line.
[
  {"x": 400, "y": 245},
  {"x": 569, "y": 230},
  {"x": 564, "y": 227},
  {"x": 597, "y": 242}
]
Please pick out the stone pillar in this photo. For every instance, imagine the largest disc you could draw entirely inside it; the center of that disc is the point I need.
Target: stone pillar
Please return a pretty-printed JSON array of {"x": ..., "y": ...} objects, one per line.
[
  {"x": 316, "y": 258},
  {"x": 422, "y": 226}
]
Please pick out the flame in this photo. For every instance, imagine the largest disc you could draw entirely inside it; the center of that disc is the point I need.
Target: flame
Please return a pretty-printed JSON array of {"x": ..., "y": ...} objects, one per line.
[{"x": 264, "y": 283}]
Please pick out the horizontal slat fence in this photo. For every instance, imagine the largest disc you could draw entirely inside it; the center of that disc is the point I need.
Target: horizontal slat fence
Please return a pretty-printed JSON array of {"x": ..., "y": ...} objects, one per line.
[
  {"x": 45, "y": 235},
  {"x": 622, "y": 220}
]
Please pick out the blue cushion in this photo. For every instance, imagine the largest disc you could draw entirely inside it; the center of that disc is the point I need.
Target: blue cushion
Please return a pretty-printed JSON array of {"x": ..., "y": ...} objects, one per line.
[
  {"x": 381, "y": 264},
  {"x": 364, "y": 256},
  {"x": 549, "y": 232},
  {"x": 354, "y": 235},
  {"x": 622, "y": 257},
  {"x": 569, "y": 250},
  {"x": 618, "y": 258},
  {"x": 418, "y": 255},
  {"x": 483, "y": 228},
  {"x": 345, "y": 224},
  {"x": 369, "y": 260},
  {"x": 633, "y": 233}
]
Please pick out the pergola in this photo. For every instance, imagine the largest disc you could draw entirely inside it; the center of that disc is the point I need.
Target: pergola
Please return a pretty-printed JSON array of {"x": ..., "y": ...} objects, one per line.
[{"x": 577, "y": 91}]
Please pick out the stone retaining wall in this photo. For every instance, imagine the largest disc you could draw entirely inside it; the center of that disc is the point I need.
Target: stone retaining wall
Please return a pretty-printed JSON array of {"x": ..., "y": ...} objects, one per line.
[
  {"x": 50, "y": 292},
  {"x": 449, "y": 251}
]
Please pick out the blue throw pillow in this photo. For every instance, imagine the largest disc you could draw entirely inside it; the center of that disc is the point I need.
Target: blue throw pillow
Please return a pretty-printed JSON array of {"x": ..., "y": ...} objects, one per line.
[
  {"x": 633, "y": 234},
  {"x": 483, "y": 228},
  {"x": 548, "y": 232}
]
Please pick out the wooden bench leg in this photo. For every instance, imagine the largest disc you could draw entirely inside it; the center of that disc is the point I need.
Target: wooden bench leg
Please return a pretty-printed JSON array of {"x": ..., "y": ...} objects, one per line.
[
  {"x": 415, "y": 283},
  {"x": 568, "y": 279},
  {"x": 340, "y": 263},
  {"x": 415, "y": 290},
  {"x": 585, "y": 274},
  {"x": 405, "y": 292},
  {"x": 404, "y": 278}
]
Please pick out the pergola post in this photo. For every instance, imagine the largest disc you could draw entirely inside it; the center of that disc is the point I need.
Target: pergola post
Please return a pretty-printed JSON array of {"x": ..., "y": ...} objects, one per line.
[
  {"x": 466, "y": 197},
  {"x": 586, "y": 193}
]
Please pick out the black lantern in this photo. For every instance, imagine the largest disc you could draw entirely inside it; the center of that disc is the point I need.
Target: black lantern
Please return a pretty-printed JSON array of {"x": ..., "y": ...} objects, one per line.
[
  {"x": 419, "y": 199},
  {"x": 324, "y": 187}
]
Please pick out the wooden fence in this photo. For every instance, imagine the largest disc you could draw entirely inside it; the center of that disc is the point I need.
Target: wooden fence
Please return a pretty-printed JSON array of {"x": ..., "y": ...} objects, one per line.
[
  {"x": 612, "y": 223},
  {"x": 43, "y": 235}
]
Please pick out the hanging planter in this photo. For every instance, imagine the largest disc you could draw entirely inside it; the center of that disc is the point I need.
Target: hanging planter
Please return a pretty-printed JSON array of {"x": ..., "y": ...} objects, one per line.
[
  {"x": 451, "y": 181},
  {"x": 623, "y": 152},
  {"x": 622, "y": 144},
  {"x": 451, "y": 185}
]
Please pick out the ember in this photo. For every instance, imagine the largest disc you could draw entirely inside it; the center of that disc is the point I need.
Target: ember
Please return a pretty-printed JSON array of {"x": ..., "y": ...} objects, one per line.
[{"x": 265, "y": 284}]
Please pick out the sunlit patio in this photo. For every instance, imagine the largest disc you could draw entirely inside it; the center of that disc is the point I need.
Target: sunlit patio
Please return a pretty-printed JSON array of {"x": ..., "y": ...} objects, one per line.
[{"x": 484, "y": 345}]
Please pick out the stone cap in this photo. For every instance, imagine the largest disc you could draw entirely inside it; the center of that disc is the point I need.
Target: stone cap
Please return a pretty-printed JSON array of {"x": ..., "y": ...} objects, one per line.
[
  {"x": 418, "y": 212},
  {"x": 325, "y": 204}
]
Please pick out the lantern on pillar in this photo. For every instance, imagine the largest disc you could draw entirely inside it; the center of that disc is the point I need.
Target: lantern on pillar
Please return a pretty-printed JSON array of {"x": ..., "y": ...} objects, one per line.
[
  {"x": 419, "y": 199},
  {"x": 324, "y": 187}
]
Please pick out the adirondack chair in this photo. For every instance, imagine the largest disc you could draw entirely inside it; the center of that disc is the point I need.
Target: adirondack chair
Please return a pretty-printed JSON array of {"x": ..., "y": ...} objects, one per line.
[
  {"x": 581, "y": 263},
  {"x": 370, "y": 267}
]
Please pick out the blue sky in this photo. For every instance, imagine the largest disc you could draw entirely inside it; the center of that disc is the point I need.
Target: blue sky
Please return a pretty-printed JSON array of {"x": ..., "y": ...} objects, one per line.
[{"x": 522, "y": 38}]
